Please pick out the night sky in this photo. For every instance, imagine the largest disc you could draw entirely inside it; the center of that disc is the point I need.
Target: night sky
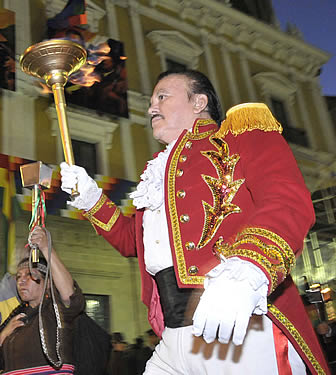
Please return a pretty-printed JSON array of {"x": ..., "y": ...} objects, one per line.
[{"x": 316, "y": 19}]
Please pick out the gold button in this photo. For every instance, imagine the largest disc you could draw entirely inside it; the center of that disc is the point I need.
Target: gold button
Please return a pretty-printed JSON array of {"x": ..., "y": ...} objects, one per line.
[
  {"x": 184, "y": 218},
  {"x": 157, "y": 241},
  {"x": 190, "y": 245},
  {"x": 179, "y": 172},
  {"x": 193, "y": 270},
  {"x": 181, "y": 194},
  {"x": 188, "y": 144},
  {"x": 183, "y": 158}
]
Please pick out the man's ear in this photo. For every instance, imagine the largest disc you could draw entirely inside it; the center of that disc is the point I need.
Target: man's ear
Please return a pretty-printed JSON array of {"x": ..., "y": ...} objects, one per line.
[{"x": 200, "y": 102}]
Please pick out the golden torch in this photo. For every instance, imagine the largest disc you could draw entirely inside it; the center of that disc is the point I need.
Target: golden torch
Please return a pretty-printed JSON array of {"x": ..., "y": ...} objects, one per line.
[{"x": 54, "y": 61}]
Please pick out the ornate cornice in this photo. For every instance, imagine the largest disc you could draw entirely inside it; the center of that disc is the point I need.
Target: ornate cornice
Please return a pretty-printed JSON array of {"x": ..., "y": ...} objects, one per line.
[
  {"x": 240, "y": 31},
  {"x": 98, "y": 129},
  {"x": 274, "y": 82},
  {"x": 168, "y": 42}
]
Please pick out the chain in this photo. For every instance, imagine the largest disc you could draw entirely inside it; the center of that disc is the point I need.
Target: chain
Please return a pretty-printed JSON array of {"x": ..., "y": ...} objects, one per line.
[{"x": 58, "y": 362}]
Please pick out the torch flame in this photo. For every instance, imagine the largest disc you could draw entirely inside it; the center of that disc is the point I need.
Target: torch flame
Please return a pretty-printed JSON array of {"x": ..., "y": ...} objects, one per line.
[
  {"x": 86, "y": 76},
  {"x": 102, "y": 48}
]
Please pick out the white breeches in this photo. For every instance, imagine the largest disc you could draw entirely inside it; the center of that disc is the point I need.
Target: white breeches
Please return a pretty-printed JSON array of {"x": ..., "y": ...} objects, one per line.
[{"x": 181, "y": 353}]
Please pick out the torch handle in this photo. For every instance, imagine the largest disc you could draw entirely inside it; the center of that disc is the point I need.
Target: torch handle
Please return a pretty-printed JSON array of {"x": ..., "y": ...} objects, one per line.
[{"x": 58, "y": 91}]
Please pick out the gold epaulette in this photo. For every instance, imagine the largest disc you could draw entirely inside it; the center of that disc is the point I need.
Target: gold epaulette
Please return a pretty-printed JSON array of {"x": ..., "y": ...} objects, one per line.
[{"x": 247, "y": 117}]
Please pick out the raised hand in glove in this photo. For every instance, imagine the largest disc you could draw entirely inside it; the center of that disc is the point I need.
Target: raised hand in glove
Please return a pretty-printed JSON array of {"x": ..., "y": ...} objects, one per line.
[
  {"x": 76, "y": 177},
  {"x": 233, "y": 291}
]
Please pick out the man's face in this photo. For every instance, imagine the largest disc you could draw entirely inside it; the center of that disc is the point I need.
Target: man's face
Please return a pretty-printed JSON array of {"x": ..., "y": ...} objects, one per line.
[
  {"x": 171, "y": 110},
  {"x": 29, "y": 290}
]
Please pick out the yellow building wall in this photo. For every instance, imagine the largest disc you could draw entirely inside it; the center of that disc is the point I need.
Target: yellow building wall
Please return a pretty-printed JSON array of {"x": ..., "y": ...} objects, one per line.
[
  {"x": 115, "y": 156},
  {"x": 141, "y": 147}
]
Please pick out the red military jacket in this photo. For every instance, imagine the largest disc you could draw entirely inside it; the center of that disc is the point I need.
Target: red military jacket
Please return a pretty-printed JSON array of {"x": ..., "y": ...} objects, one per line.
[{"x": 236, "y": 192}]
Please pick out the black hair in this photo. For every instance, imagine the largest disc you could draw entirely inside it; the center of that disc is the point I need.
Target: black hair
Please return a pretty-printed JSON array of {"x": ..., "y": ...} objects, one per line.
[
  {"x": 117, "y": 337},
  {"x": 199, "y": 83}
]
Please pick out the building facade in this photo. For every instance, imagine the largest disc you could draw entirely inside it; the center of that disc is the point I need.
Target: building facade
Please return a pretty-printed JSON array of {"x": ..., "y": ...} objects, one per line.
[{"x": 247, "y": 58}]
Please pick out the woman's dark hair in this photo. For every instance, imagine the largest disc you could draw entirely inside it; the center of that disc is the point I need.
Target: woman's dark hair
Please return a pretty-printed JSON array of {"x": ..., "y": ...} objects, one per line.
[{"x": 199, "y": 84}]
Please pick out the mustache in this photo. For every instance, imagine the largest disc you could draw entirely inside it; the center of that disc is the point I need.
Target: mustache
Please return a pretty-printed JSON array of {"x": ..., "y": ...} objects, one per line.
[{"x": 154, "y": 116}]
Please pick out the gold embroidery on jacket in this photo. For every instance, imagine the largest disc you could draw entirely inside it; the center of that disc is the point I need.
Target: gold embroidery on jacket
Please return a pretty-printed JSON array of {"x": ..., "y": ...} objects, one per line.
[
  {"x": 202, "y": 122},
  {"x": 297, "y": 337},
  {"x": 223, "y": 189},
  {"x": 277, "y": 259},
  {"x": 89, "y": 214},
  {"x": 178, "y": 245},
  {"x": 93, "y": 220},
  {"x": 287, "y": 253}
]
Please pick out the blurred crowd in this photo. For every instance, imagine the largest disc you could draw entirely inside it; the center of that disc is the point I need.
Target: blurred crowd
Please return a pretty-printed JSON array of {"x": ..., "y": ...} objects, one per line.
[{"x": 130, "y": 359}]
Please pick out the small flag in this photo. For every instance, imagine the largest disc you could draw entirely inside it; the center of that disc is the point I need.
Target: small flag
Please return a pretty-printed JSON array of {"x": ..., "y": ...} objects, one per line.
[
  {"x": 8, "y": 296},
  {"x": 10, "y": 209}
]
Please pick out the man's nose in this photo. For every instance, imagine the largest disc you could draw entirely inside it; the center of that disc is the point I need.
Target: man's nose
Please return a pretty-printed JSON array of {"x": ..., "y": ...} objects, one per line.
[{"x": 152, "y": 109}]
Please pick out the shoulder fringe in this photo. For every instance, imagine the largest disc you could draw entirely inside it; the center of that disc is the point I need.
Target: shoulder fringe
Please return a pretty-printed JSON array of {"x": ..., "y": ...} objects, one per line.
[{"x": 247, "y": 117}]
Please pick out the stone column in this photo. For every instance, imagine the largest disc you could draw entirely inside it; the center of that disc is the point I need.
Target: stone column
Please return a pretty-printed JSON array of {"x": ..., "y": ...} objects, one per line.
[
  {"x": 210, "y": 64},
  {"x": 229, "y": 74},
  {"x": 247, "y": 77},
  {"x": 305, "y": 117},
  {"x": 142, "y": 63},
  {"x": 140, "y": 50},
  {"x": 112, "y": 20},
  {"x": 323, "y": 115}
]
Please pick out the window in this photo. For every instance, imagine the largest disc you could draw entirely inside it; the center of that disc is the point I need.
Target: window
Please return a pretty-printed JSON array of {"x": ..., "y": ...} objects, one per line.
[
  {"x": 85, "y": 156},
  {"x": 279, "y": 112},
  {"x": 98, "y": 309},
  {"x": 97, "y": 131}
]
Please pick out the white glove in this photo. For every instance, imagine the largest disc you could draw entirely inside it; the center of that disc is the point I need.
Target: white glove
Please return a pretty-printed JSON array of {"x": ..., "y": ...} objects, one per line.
[
  {"x": 89, "y": 192},
  {"x": 233, "y": 291}
]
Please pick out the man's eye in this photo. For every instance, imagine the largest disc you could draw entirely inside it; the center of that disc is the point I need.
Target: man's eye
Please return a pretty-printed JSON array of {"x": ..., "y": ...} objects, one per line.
[{"x": 161, "y": 97}]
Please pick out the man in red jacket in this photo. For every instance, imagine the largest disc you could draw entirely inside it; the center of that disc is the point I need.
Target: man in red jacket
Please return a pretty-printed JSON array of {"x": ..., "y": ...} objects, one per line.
[{"x": 221, "y": 215}]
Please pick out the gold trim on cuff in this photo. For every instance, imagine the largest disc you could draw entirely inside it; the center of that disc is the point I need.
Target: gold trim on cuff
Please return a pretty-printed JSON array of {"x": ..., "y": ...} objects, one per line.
[
  {"x": 94, "y": 221},
  {"x": 288, "y": 256}
]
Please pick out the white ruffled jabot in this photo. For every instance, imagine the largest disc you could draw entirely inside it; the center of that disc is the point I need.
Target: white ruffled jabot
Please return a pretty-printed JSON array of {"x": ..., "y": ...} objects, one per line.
[{"x": 149, "y": 192}]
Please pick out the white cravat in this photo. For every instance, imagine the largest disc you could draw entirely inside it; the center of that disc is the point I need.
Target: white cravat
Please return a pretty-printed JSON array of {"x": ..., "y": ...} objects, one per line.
[{"x": 149, "y": 194}]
